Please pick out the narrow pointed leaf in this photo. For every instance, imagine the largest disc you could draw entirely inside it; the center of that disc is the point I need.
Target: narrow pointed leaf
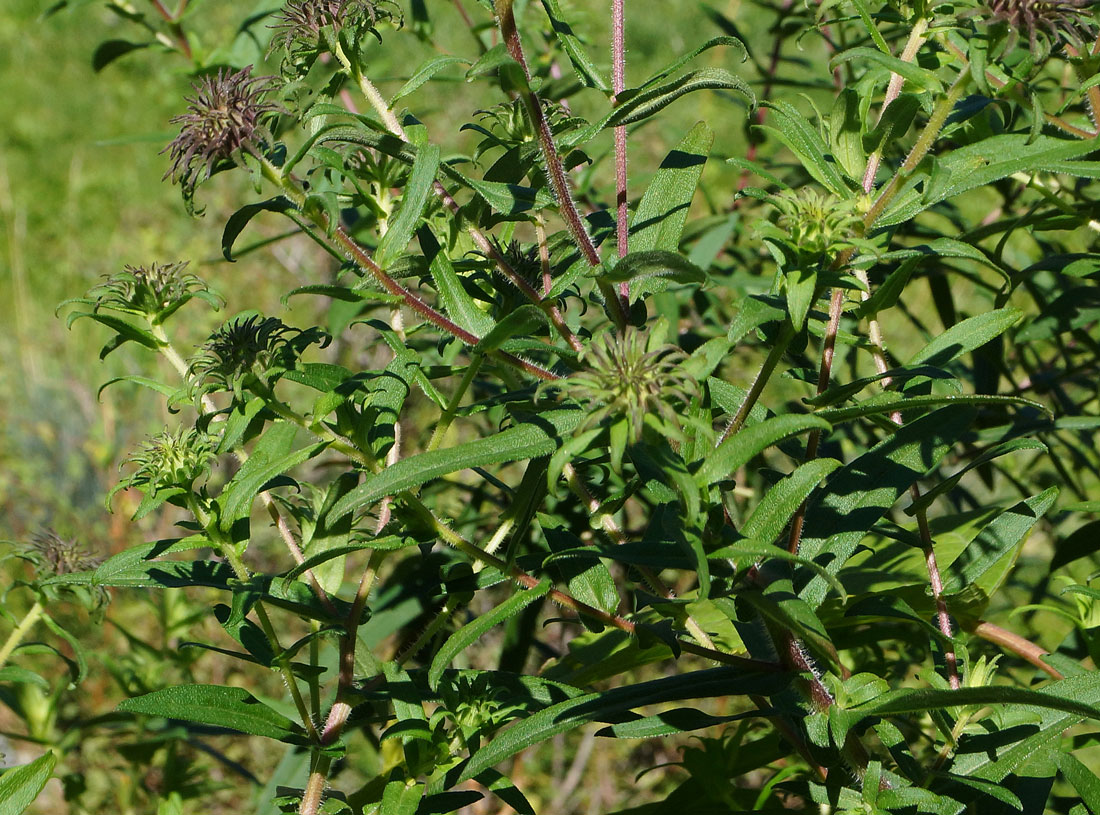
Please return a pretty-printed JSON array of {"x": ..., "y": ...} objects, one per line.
[
  {"x": 19, "y": 786},
  {"x": 749, "y": 442},
  {"x": 417, "y": 191},
  {"x": 218, "y": 705},
  {"x": 472, "y": 632}
]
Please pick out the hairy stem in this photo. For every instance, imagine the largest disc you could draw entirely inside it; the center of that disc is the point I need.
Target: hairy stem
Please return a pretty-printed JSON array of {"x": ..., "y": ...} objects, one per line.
[
  {"x": 893, "y": 90},
  {"x": 555, "y": 170},
  {"x": 378, "y": 102},
  {"x": 618, "y": 85},
  {"x": 1023, "y": 648},
  {"x": 775, "y": 354}
]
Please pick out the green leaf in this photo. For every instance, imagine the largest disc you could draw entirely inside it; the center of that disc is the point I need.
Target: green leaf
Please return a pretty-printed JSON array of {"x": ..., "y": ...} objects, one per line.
[
  {"x": 670, "y": 722},
  {"x": 846, "y": 134},
  {"x": 13, "y": 673},
  {"x": 684, "y": 59},
  {"x": 218, "y": 705},
  {"x": 418, "y": 190},
  {"x": 802, "y": 138},
  {"x": 988, "y": 559},
  {"x": 661, "y": 214},
  {"x": 740, "y": 448},
  {"x": 586, "y": 71},
  {"x": 401, "y": 798},
  {"x": 921, "y": 700},
  {"x": 126, "y": 331},
  {"x": 521, "y": 322},
  {"x": 1082, "y": 778},
  {"x": 774, "y": 512},
  {"x": 472, "y": 632},
  {"x": 425, "y": 72},
  {"x": 272, "y": 456},
  {"x": 239, "y": 220},
  {"x": 107, "y": 52},
  {"x": 639, "y": 104},
  {"x": 948, "y": 484},
  {"x": 143, "y": 381},
  {"x": 653, "y": 271},
  {"x": 1082, "y": 542},
  {"x": 514, "y": 444},
  {"x": 457, "y": 303},
  {"x": 572, "y": 713},
  {"x": 858, "y": 494},
  {"x": 924, "y": 79},
  {"x": 511, "y": 199},
  {"x": 984, "y": 162},
  {"x": 891, "y": 402},
  {"x": 965, "y": 336},
  {"x": 19, "y": 786}
]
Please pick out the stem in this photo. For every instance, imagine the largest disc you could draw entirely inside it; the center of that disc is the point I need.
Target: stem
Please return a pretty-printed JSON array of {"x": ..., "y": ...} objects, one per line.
[
  {"x": 825, "y": 375},
  {"x": 893, "y": 90},
  {"x": 555, "y": 171},
  {"x": 378, "y": 102},
  {"x": 762, "y": 377},
  {"x": 618, "y": 84},
  {"x": 229, "y": 551},
  {"x": 452, "y": 406},
  {"x": 1023, "y": 648},
  {"x": 924, "y": 143},
  {"x": 364, "y": 261},
  {"x": 33, "y": 615},
  {"x": 315, "y": 787}
]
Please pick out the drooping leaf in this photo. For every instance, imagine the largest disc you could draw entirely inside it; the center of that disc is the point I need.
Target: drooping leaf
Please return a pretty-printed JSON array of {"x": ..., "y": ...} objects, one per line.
[
  {"x": 418, "y": 189},
  {"x": 472, "y": 632},
  {"x": 661, "y": 214},
  {"x": 218, "y": 705},
  {"x": 19, "y": 786},
  {"x": 240, "y": 219}
]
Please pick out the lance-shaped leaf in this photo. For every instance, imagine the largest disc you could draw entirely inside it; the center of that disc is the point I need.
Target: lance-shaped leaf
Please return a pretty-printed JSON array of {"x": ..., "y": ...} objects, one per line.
[
  {"x": 472, "y": 632},
  {"x": 218, "y": 705},
  {"x": 740, "y": 448},
  {"x": 19, "y": 786},
  {"x": 572, "y": 713},
  {"x": 417, "y": 191},
  {"x": 858, "y": 494},
  {"x": 514, "y": 444},
  {"x": 661, "y": 214}
]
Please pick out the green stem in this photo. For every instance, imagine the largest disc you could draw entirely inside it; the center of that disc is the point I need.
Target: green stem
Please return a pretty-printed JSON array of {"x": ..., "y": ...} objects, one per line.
[
  {"x": 228, "y": 550},
  {"x": 33, "y": 615},
  {"x": 448, "y": 416},
  {"x": 786, "y": 335},
  {"x": 923, "y": 144}
]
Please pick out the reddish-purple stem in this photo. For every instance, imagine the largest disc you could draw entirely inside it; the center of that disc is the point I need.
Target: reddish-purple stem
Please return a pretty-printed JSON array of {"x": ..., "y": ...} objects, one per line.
[
  {"x": 555, "y": 171},
  {"x": 414, "y": 301},
  {"x": 618, "y": 85}
]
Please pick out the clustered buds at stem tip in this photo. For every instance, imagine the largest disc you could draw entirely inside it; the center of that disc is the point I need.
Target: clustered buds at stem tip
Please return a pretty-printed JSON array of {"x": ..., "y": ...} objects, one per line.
[
  {"x": 1057, "y": 20},
  {"x": 226, "y": 115}
]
